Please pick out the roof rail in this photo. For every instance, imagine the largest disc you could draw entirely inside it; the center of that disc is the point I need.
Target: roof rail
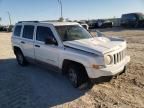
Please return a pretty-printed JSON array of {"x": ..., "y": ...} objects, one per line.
[
  {"x": 49, "y": 21},
  {"x": 28, "y": 21}
]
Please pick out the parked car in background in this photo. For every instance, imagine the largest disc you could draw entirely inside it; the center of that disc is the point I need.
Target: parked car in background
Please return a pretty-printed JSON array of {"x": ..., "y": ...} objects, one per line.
[
  {"x": 101, "y": 23},
  {"x": 10, "y": 28},
  {"x": 6, "y": 28},
  {"x": 104, "y": 23},
  {"x": 92, "y": 24},
  {"x": 84, "y": 24},
  {"x": 3, "y": 28},
  {"x": 132, "y": 20}
]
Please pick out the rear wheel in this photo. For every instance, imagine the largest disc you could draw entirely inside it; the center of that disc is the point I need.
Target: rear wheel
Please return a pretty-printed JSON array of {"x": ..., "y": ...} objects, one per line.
[
  {"x": 20, "y": 58},
  {"x": 77, "y": 75}
]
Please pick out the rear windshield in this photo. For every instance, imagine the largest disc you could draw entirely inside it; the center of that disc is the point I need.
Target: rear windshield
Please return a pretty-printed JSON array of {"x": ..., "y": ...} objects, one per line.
[{"x": 72, "y": 32}]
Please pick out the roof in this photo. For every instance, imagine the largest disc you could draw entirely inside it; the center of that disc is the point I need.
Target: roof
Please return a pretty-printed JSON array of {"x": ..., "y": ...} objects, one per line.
[
  {"x": 53, "y": 23},
  {"x": 62, "y": 23}
]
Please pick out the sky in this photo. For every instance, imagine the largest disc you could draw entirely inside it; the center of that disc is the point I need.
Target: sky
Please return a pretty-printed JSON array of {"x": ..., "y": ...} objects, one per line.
[{"x": 22, "y": 10}]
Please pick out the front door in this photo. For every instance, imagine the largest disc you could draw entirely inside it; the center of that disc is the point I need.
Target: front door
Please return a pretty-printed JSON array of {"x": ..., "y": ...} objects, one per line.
[{"x": 45, "y": 52}]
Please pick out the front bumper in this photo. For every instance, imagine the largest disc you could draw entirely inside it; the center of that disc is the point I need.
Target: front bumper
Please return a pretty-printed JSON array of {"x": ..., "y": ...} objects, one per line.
[{"x": 108, "y": 71}]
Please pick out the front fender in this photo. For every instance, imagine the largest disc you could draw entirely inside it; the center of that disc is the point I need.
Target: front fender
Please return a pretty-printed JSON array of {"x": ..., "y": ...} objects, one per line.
[{"x": 86, "y": 60}]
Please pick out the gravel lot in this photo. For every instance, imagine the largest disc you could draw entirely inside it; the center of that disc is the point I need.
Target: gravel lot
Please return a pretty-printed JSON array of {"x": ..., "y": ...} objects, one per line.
[{"x": 35, "y": 87}]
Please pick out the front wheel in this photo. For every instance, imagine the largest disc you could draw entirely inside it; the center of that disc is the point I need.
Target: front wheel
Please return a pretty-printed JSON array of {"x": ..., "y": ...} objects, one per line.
[{"x": 77, "y": 75}]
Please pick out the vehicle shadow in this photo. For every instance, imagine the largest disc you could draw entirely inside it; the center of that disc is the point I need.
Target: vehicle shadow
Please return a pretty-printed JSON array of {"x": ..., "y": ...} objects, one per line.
[{"x": 41, "y": 88}]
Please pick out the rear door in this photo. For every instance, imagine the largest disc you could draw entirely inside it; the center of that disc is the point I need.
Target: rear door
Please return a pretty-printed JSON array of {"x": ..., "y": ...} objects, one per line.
[{"x": 27, "y": 42}]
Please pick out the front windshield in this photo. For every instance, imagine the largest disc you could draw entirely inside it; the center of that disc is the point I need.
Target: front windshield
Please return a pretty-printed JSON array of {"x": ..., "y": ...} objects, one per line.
[{"x": 72, "y": 32}]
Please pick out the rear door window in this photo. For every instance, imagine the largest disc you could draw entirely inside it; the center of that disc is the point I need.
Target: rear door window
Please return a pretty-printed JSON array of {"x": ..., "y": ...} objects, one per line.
[
  {"x": 28, "y": 32},
  {"x": 17, "y": 30}
]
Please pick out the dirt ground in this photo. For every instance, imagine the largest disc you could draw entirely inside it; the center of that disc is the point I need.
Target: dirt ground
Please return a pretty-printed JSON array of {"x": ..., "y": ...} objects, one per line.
[{"x": 35, "y": 87}]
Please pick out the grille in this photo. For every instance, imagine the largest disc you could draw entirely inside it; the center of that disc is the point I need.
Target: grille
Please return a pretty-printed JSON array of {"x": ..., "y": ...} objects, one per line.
[{"x": 118, "y": 57}]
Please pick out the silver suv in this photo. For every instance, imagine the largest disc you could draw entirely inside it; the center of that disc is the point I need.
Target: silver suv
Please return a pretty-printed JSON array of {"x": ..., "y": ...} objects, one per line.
[{"x": 70, "y": 48}]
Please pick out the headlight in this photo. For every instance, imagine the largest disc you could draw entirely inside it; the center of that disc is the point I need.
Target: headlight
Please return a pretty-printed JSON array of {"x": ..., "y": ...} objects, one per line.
[{"x": 108, "y": 59}]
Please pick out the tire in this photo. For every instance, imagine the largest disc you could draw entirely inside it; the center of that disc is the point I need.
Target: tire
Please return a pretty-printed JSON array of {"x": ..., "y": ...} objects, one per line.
[
  {"x": 77, "y": 75},
  {"x": 20, "y": 58}
]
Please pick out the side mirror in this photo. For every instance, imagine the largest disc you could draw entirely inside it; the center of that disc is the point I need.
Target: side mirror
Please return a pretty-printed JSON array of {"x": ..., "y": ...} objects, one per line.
[{"x": 50, "y": 41}]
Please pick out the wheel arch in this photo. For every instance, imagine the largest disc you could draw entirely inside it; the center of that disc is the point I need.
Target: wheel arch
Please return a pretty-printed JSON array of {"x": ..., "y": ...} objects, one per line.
[
  {"x": 66, "y": 63},
  {"x": 16, "y": 48}
]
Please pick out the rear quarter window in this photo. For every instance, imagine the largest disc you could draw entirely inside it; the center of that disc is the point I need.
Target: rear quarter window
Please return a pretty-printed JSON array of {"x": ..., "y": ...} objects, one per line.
[{"x": 17, "y": 30}]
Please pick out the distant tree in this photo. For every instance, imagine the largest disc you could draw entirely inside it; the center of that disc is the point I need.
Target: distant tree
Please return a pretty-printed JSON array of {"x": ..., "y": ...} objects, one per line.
[
  {"x": 68, "y": 20},
  {"x": 61, "y": 19},
  {"x": 75, "y": 20}
]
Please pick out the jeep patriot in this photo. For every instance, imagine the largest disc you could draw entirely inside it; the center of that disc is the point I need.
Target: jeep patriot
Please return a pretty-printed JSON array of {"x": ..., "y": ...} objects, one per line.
[{"x": 70, "y": 48}]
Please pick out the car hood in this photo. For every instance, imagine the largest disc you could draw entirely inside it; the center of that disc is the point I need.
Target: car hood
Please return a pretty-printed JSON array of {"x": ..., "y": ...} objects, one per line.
[{"x": 97, "y": 45}]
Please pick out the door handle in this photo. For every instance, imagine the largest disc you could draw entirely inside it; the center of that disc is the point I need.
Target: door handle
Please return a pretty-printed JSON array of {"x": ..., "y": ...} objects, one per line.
[
  {"x": 22, "y": 42},
  {"x": 37, "y": 46}
]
